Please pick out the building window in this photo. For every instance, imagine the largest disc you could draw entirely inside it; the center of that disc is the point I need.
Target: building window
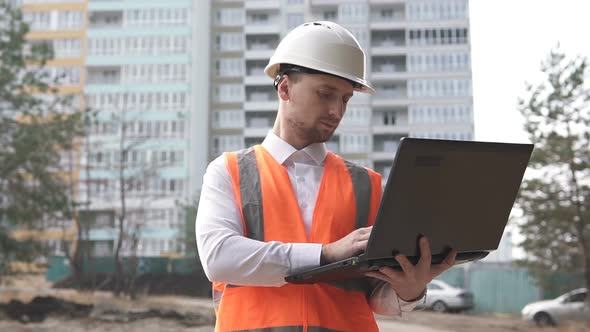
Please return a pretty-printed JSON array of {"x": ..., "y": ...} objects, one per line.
[
  {"x": 229, "y": 67},
  {"x": 423, "y": 10},
  {"x": 294, "y": 20},
  {"x": 353, "y": 12},
  {"x": 439, "y": 61},
  {"x": 223, "y": 143},
  {"x": 258, "y": 18},
  {"x": 356, "y": 116},
  {"x": 70, "y": 20},
  {"x": 230, "y": 16},
  {"x": 229, "y": 93},
  {"x": 229, "y": 41},
  {"x": 441, "y": 114},
  {"x": 330, "y": 15},
  {"x": 438, "y": 36},
  {"x": 354, "y": 143},
  {"x": 38, "y": 20},
  {"x": 439, "y": 88},
  {"x": 228, "y": 119}
]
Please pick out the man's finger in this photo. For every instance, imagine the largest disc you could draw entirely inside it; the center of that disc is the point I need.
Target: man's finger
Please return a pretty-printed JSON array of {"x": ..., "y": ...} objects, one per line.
[
  {"x": 367, "y": 230},
  {"x": 450, "y": 259},
  {"x": 361, "y": 245},
  {"x": 425, "y": 254},
  {"x": 393, "y": 275},
  {"x": 405, "y": 264},
  {"x": 448, "y": 262},
  {"x": 378, "y": 275}
]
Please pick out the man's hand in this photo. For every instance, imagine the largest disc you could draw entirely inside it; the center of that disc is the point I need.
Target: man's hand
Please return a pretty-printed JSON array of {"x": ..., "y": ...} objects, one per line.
[
  {"x": 348, "y": 246},
  {"x": 411, "y": 282}
]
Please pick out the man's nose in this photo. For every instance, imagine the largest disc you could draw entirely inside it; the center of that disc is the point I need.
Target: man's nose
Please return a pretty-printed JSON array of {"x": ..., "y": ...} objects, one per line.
[{"x": 337, "y": 109}]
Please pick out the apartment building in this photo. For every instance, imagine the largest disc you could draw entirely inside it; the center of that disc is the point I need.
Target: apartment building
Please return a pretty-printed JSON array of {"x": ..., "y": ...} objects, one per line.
[
  {"x": 182, "y": 81},
  {"x": 418, "y": 60},
  {"x": 142, "y": 68},
  {"x": 140, "y": 79}
]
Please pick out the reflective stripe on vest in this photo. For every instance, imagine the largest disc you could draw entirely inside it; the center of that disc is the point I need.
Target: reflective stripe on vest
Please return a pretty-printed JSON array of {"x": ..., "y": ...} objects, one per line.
[{"x": 251, "y": 194}]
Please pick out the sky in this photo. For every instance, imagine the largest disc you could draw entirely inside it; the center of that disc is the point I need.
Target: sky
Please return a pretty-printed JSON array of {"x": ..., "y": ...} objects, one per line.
[{"x": 509, "y": 39}]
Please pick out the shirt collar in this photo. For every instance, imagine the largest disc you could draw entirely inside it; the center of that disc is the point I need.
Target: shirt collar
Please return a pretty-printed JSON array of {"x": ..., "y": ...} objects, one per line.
[{"x": 281, "y": 150}]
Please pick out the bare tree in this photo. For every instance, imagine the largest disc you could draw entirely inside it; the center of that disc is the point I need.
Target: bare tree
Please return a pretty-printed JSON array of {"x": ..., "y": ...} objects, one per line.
[{"x": 135, "y": 181}]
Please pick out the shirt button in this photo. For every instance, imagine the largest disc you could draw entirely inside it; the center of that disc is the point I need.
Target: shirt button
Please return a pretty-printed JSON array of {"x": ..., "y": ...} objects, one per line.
[
  {"x": 303, "y": 205},
  {"x": 301, "y": 179}
]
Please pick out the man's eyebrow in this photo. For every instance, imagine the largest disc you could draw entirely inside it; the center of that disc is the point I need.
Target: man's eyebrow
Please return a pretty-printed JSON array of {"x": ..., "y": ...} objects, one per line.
[
  {"x": 327, "y": 86},
  {"x": 332, "y": 88}
]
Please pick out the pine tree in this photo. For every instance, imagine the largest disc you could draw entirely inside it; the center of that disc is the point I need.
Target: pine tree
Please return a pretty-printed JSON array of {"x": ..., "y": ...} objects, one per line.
[
  {"x": 556, "y": 198},
  {"x": 37, "y": 126}
]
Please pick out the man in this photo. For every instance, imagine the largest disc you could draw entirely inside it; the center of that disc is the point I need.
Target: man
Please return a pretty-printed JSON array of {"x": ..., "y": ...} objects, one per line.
[{"x": 289, "y": 204}]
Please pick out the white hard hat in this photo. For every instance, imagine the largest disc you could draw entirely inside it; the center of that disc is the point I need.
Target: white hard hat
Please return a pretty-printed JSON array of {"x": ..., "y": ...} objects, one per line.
[{"x": 325, "y": 47}]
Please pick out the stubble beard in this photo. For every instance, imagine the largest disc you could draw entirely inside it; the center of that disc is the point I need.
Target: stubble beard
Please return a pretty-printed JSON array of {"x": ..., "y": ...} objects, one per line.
[{"x": 311, "y": 134}]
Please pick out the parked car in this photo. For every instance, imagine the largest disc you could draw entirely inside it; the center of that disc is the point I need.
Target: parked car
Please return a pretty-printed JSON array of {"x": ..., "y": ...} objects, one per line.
[
  {"x": 442, "y": 297},
  {"x": 569, "y": 306}
]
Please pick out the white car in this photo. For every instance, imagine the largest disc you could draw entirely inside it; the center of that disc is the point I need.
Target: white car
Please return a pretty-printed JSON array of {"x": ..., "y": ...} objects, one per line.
[
  {"x": 569, "y": 306},
  {"x": 442, "y": 297}
]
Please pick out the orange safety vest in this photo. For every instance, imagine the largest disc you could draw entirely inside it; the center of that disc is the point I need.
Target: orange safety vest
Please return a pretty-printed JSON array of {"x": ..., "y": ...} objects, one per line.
[{"x": 348, "y": 198}]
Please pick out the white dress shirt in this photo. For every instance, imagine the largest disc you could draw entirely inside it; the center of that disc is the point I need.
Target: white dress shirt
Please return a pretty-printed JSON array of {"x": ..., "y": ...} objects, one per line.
[{"x": 227, "y": 256}]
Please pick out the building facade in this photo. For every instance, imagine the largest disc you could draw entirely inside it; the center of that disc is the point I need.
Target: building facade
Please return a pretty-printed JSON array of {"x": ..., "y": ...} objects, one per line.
[
  {"x": 418, "y": 60},
  {"x": 140, "y": 81},
  {"x": 174, "y": 83}
]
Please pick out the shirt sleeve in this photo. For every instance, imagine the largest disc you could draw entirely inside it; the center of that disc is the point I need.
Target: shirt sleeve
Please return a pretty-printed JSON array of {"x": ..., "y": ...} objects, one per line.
[
  {"x": 230, "y": 257},
  {"x": 384, "y": 300}
]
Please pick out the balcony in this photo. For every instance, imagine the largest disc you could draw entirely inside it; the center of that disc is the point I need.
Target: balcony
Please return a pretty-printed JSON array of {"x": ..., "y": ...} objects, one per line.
[
  {"x": 258, "y": 123},
  {"x": 255, "y": 73},
  {"x": 385, "y": 42},
  {"x": 262, "y": 23},
  {"x": 388, "y": 68},
  {"x": 326, "y": 2},
  {"x": 261, "y": 101},
  {"x": 262, "y": 4},
  {"x": 387, "y": 17},
  {"x": 258, "y": 47},
  {"x": 384, "y": 150},
  {"x": 386, "y": 143},
  {"x": 390, "y": 122},
  {"x": 105, "y": 20},
  {"x": 259, "y": 52},
  {"x": 391, "y": 91},
  {"x": 103, "y": 75}
]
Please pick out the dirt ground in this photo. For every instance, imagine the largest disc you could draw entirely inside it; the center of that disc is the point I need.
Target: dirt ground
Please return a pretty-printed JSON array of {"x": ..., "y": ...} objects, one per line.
[
  {"x": 100, "y": 311},
  {"x": 415, "y": 322}
]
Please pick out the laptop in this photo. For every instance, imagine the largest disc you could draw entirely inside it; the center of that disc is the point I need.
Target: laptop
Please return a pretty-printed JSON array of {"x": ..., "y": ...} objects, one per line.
[{"x": 457, "y": 193}]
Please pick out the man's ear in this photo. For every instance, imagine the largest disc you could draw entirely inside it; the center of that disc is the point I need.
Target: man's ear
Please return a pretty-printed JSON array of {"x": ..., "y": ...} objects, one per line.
[{"x": 283, "y": 88}]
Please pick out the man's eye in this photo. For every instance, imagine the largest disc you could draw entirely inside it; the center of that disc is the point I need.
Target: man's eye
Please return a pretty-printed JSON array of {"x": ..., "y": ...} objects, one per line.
[{"x": 326, "y": 95}]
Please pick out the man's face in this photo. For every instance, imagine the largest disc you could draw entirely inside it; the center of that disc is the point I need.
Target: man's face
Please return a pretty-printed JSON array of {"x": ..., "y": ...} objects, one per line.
[{"x": 316, "y": 106}]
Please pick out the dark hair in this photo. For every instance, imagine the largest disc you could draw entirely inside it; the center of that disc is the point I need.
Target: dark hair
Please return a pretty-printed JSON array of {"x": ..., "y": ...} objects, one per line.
[{"x": 294, "y": 71}]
